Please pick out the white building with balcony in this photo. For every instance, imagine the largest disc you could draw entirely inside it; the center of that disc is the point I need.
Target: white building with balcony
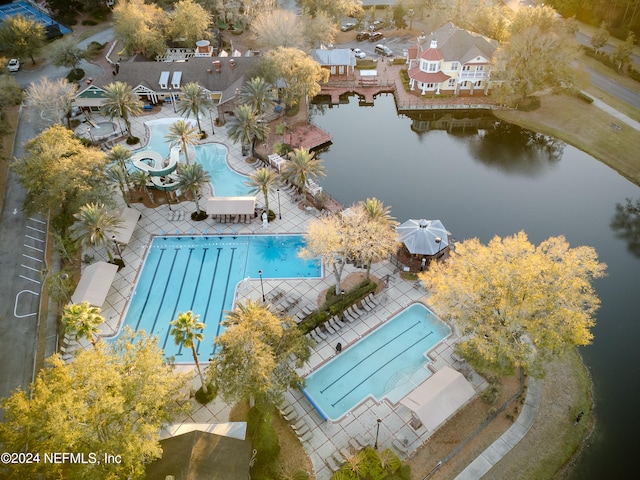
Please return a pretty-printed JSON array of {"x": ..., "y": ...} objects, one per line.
[{"x": 452, "y": 61}]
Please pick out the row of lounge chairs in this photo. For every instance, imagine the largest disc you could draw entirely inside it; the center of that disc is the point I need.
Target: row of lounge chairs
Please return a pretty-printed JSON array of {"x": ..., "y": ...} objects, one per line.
[
  {"x": 335, "y": 323},
  {"x": 176, "y": 215},
  {"x": 339, "y": 458},
  {"x": 298, "y": 424}
]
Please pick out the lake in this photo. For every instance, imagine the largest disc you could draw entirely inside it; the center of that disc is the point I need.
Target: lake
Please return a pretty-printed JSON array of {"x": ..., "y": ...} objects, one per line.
[{"x": 482, "y": 178}]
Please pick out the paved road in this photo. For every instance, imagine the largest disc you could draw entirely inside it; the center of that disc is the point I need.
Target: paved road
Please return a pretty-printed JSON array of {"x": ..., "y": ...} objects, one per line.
[
  {"x": 614, "y": 88},
  {"x": 22, "y": 241},
  {"x": 584, "y": 39},
  {"x": 25, "y": 77}
]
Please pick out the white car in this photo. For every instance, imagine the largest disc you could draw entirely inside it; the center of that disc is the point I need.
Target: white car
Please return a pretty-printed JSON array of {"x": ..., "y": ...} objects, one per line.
[
  {"x": 13, "y": 65},
  {"x": 359, "y": 53}
]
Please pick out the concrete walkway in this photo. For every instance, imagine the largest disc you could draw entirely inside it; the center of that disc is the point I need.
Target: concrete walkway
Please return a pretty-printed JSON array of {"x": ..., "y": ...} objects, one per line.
[
  {"x": 615, "y": 113},
  {"x": 509, "y": 439}
]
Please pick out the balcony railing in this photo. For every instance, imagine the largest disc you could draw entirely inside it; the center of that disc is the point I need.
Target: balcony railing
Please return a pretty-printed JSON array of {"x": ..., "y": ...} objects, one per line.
[{"x": 473, "y": 75}]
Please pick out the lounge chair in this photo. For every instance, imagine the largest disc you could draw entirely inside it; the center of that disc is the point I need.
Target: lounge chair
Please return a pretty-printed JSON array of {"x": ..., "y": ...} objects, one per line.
[
  {"x": 356, "y": 443},
  {"x": 320, "y": 334},
  {"x": 335, "y": 323},
  {"x": 329, "y": 328},
  {"x": 291, "y": 416},
  {"x": 306, "y": 436},
  {"x": 357, "y": 310},
  {"x": 287, "y": 409},
  {"x": 332, "y": 464},
  {"x": 399, "y": 446},
  {"x": 352, "y": 312},
  {"x": 315, "y": 336},
  {"x": 348, "y": 316}
]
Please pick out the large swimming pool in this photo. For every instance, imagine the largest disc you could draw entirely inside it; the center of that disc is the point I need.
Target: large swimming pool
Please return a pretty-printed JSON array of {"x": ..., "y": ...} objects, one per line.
[
  {"x": 387, "y": 363},
  {"x": 212, "y": 156},
  {"x": 201, "y": 274}
]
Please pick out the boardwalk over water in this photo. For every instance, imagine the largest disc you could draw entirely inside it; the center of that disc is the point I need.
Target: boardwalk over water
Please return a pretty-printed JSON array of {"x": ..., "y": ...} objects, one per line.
[{"x": 387, "y": 80}]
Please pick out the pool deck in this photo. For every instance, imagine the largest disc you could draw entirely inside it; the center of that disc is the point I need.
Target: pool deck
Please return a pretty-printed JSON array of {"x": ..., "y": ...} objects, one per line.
[{"x": 328, "y": 438}]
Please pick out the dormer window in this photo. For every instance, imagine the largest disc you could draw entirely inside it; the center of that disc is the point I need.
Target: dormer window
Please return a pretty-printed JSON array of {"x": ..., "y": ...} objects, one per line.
[{"x": 164, "y": 80}]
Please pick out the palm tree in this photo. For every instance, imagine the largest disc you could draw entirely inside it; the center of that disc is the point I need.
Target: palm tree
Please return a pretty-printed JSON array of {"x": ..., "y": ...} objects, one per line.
[
  {"x": 263, "y": 180},
  {"x": 83, "y": 320},
  {"x": 376, "y": 211},
  {"x": 117, "y": 175},
  {"x": 140, "y": 179},
  {"x": 183, "y": 133},
  {"x": 93, "y": 225},
  {"x": 120, "y": 101},
  {"x": 192, "y": 178},
  {"x": 246, "y": 127},
  {"x": 194, "y": 101},
  {"x": 258, "y": 93},
  {"x": 302, "y": 166},
  {"x": 186, "y": 331},
  {"x": 120, "y": 155}
]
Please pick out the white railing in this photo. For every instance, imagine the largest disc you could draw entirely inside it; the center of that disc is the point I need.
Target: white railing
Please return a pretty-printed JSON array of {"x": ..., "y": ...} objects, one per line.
[{"x": 473, "y": 75}]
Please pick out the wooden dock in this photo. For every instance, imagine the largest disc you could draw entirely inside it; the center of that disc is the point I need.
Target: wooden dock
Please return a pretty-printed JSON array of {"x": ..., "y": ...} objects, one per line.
[{"x": 307, "y": 136}]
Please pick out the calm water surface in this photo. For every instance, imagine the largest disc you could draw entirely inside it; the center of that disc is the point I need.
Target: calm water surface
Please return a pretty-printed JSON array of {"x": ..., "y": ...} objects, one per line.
[{"x": 497, "y": 180}]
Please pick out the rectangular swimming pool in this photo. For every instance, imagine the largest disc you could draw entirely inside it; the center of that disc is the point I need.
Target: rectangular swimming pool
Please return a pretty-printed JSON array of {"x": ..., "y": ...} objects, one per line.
[
  {"x": 201, "y": 274},
  {"x": 389, "y": 362}
]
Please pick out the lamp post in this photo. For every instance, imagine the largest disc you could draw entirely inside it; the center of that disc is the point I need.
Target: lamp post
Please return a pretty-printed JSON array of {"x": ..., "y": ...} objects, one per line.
[
  {"x": 117, "y": 247},
  {"x": 379, "y": 420},
  {"x": 441, "y": 245},
  {"x": 264, "y": 299},
  {"x": 213, "y": 132},
  {"x": 279, "y": 211}
]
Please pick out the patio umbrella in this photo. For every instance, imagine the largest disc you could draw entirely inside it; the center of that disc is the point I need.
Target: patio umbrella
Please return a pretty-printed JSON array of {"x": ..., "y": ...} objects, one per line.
[{"x": 423, "y": 237}]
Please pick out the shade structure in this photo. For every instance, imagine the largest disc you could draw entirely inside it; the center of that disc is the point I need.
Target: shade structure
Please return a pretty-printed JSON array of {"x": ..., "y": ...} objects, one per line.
[
  {"x": 129, "y": 217},
  {"x": 423, "y": 237},
  {"x": 95, "y": 283},
  {"x": 231, "y": 205},
  {"x": 439, "y": 397}
]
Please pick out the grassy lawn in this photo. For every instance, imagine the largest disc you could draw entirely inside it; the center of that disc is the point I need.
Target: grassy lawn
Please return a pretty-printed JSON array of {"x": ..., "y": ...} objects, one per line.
[
  {"x": 554, "y": 438},
  {"x": 586, "y": 127}
]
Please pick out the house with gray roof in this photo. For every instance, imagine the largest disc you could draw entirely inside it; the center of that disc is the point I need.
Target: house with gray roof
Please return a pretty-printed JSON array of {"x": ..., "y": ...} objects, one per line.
[
  {"x": 157, "y": 82},
  {"x": 455, "y": 62},
  {"x": 340, "y": 62}
]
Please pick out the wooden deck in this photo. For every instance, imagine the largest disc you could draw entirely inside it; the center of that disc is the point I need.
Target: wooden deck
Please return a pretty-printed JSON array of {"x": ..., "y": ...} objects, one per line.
[{"x": 307, "y": 136}]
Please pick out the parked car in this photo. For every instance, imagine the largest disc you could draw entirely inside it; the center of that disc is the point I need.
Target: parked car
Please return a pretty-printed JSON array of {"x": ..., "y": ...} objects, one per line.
[
  {"x": 13, "y": 65},
  {"x": 383, "y": 50},
  {"x": 363, "y": 36},
  {"x": 376, "y": 36},
  {"x": 348, "y": 26},
  {"x": 377, "y": 25},
  {"x": 358, "y": 53}
]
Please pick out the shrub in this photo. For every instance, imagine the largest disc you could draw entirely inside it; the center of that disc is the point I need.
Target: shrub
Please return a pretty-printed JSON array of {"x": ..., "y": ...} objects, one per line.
[
  {"x": 93, "y": 49},
  {"x": 633, "y": 73},
  {"x": 89, "y": 23},
  {"x": 366, "y": 64},
  {"x": 404, "y": 78},
  {"x": 203, "y": 135},
  {"x": 336, "y": 304},
  {"x": 101, "y": 13},
  {"x": 584, "y": 96},
  {"x": 399, "y": 61},
  {"x": 204, "y": 398},
  {"x": 132, "y": 140},
  {"x": 73, "y": 77},
  {"x": 529, "y": 104},
  {"x": 490, "y": 394}
]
